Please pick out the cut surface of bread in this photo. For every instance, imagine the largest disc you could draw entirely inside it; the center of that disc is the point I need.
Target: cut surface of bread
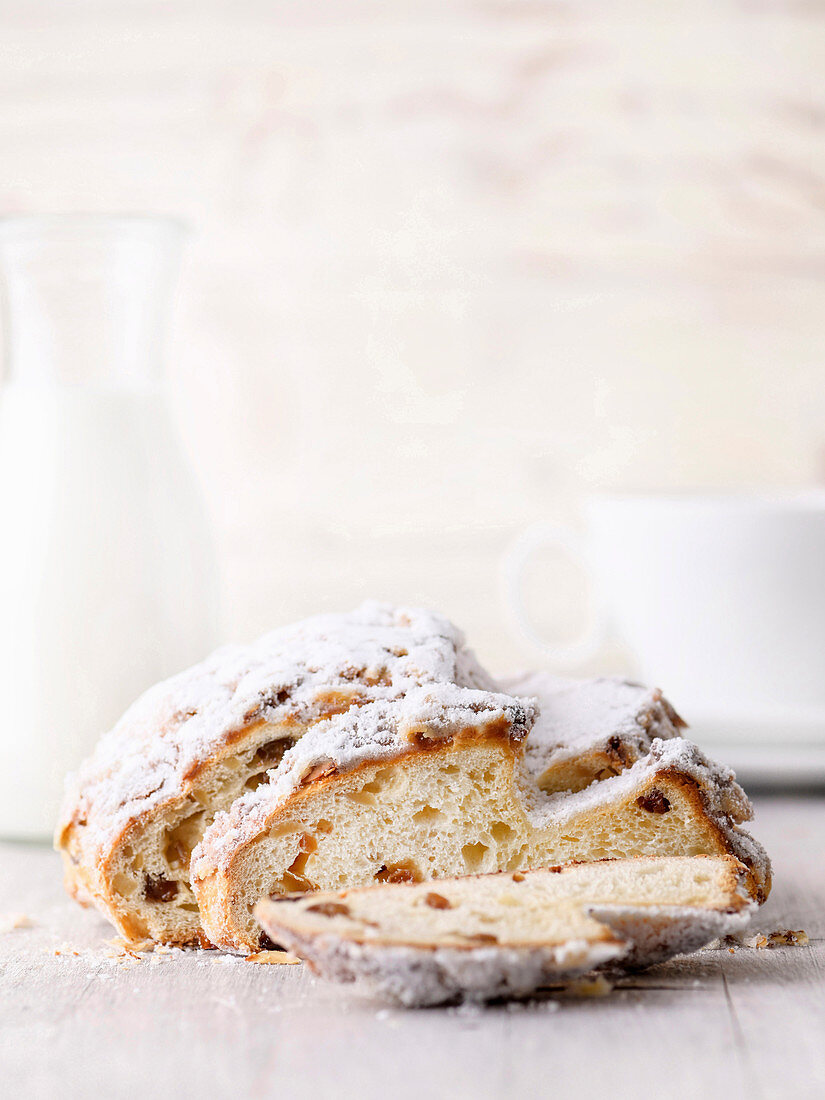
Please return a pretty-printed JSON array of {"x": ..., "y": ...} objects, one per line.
[
  {"x": 193, "y": 744},
  {"x": 340, "y": 813},
  {"x": 590, "y": 729},
  {"x": 508, "y": 934}
]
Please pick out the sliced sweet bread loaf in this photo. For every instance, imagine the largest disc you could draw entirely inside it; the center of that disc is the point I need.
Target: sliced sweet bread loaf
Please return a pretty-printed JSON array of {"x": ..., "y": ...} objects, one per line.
[
  {"x": 590, "y": 729},
  {"x": 412, "y": 790},
  {"x": 509, "y": 934},
  {"x": 191, "y": 745}
]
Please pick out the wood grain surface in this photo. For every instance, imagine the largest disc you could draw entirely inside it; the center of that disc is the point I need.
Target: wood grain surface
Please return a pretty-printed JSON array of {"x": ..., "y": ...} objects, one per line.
[{"x": 197, "y": 1024}]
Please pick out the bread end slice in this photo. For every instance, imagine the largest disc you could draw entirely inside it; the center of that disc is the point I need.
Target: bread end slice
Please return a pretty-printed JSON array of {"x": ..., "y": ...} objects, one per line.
[{"x": 508, "y": 934}]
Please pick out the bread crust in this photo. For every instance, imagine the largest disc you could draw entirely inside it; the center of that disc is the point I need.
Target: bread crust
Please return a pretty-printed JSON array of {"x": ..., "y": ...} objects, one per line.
[
  {"x": 728, "y": 839},
  {"x": 589, "y": 730}
]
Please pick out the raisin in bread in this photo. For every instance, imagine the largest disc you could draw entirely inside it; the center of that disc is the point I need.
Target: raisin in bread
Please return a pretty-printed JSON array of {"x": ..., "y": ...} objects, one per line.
[
  {"x": 509, "y": 934},
  {"x": 191, "y": 745},
  {"x": 414, "y": 789},
  {"x": 590, "y": 729}
]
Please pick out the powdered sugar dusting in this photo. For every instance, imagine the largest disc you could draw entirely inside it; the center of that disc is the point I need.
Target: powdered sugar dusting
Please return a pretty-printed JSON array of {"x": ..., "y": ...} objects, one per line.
[
  {"x": 579, "y": 715},
  {"x": 724, "y": 801},
  {"x": 413, "y": 978},
  {"x": 726, "y": 798},
  {"x": 377, "y": 652}
]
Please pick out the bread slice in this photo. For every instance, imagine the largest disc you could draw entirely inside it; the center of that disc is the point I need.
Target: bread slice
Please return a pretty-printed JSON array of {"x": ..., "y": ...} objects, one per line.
[
  {"x": 414, "y": 791},
  {"x": 590, "y": 729},
  {"x": 509, "y": 934},
  {"x": 190, "y": 746}
]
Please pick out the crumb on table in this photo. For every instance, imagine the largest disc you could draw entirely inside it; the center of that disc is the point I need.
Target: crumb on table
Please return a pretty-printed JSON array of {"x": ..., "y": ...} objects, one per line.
[
  {"x": 10, "y": 922},
  {"x": 282, "y": 958}
]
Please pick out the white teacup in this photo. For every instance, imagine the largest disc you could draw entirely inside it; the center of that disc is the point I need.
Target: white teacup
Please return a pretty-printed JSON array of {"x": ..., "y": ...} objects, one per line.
[{"x": 721, "y": 600}]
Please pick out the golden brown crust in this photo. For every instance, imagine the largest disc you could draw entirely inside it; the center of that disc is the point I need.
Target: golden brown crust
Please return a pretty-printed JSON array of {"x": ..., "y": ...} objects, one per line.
[
  {"x": 722, "y": 834},
  {"x": 578, "y": 772}
]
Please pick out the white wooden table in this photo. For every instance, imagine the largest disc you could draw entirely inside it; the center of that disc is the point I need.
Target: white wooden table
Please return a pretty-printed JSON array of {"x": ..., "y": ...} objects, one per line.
[{"x": 751, "y": 1023}]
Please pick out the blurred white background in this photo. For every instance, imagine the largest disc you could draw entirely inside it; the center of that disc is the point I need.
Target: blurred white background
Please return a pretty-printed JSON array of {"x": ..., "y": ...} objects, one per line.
[{"x": 457, "y": 264}]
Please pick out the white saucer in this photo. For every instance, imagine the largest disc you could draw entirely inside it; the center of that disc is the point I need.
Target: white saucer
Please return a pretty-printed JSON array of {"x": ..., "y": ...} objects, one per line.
[
  {"x": 788, "y": 766},
  {"x": 779, "y": 751}
]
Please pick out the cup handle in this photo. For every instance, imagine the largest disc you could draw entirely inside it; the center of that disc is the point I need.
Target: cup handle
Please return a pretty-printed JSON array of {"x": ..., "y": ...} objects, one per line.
[{"x": 534, "y": 538}]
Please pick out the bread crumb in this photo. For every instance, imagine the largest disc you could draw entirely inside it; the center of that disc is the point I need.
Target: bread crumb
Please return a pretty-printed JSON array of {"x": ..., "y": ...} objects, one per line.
[
  {"x": 757, "y": 941},
  {"x": 10, "y": 922},
  {"x": 132, "y": 947},
  {"x": 277, "y": 957},
  {"x": 782, "y": 937},
  {"x": 124, "y": 952},
  {"x": 595, "y": 985},
  {"x": 787, "y": 937}
]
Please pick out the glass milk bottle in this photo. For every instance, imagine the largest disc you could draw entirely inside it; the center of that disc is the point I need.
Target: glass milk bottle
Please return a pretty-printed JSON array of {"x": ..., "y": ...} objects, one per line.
[{"x": 107, "y": 577}]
